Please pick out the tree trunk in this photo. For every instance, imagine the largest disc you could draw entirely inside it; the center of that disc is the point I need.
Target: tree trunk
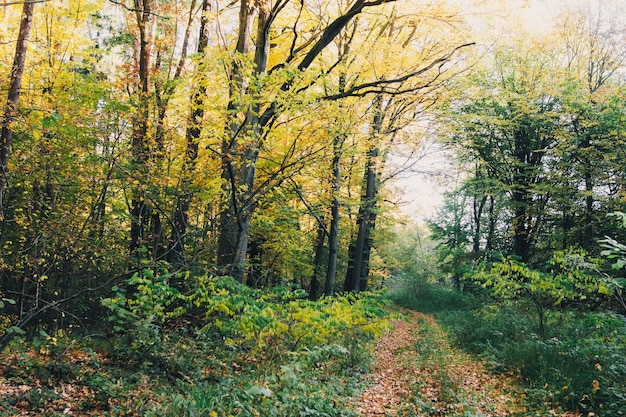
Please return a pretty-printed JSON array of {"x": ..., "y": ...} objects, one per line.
[
  {"x": 492, "y": 224},
  {"x": 478, "y": 207},
  {"x": 180, "y": 218},
  {"x": 10, "y": 108},
  {"x": 317, "y": 262},
  {"x": 333, "y": 234},
  {"x": 361, "y": 247},
  {"x": 347, "y": 284},
  {"x": 520, "y": 229},
  {"x": 240, "y": 150},
  {"x": 588, "y": 223},
  {"x": 254, "y": 278},
  {"x": 140, "y": 211},
  {"x": 521, "y": 193},
  {"x": 244, "y": 135}
]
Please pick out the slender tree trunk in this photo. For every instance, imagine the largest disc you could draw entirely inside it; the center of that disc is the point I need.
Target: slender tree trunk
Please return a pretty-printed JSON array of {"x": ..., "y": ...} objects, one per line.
[
  {"x": 333, "y": 234},
  {"x": 10, "y": 108},
  {"x": 369, "y": 221},
  {"x": 317, "y": 262},
  {"x": 520, "y": 227},
  {"x": 361, "y": 247},
  {"x": 243, "y": 139},
  {"x": 492, "y": 224},
  {"x": 588, "y": 224},
  {"x": 254, "y": 276},
  {"x": 521, "y": 193},
  {"x": 240, "y": 150},
  {"x": 356, "y": 277},
  {"x": 478, "y": 206},
  {"x": 347, "y": 284},
  {"x": 238, "y": 182},
  {"x": 180, "y": 219},
  {"x": 140, "y": 210},
  {"x": 234, "y": 234}
]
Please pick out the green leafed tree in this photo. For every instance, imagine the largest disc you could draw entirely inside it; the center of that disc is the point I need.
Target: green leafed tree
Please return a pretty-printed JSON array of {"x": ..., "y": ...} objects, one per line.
[{"x": 507, "y": 122}]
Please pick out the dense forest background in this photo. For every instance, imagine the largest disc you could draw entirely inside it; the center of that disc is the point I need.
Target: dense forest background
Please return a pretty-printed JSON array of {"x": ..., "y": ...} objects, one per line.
[
  {"x": 151, "y": 146},
  {"x": 249, "y": 140}
]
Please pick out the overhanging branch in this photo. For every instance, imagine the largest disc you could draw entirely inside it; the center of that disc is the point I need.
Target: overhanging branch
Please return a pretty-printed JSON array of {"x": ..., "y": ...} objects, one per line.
[
  {"x": 386, "y": 86},
  {"x": 328, "y": 35}
]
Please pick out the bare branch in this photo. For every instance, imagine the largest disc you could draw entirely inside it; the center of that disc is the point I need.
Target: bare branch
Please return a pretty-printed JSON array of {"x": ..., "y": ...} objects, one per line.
[
  {"x": 12, "y": 3},
  {"x": 48, "y": 305},
  {"x": 298, "y": 190},
  {"x": 385, "y": 86},
  {"x": 134, "y": 10}
]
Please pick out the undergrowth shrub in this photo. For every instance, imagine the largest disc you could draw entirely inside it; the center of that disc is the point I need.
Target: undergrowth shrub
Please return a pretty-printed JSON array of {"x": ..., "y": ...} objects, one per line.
[
  {"x": 300, "y": 388},
  {"x": 195, "y": 345},
  {"x": 247, "y": 351},
  {"x": 548, "y": 327},
  {"x": 283, "y": 319}
]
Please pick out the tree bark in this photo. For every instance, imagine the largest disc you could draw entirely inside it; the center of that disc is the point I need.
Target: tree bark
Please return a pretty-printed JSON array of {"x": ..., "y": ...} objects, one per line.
[
  {"x": 140, "y": 211},
  {"x": 356, "y": 277},
  {"x": 521, "y": 243},
  {"x": 317, "y": 262},
  {"x": 10, "y": 108},
  {"x": 361, "y": 247},
  {"x": 478, "y": 207},
  {"x": 522, "y": 180},
  {"x": 588, "y": 234},
  {"x": 333, "y": 234},
  {"x": 239, "y": 156},
  {"x": 489, "y": 244}
]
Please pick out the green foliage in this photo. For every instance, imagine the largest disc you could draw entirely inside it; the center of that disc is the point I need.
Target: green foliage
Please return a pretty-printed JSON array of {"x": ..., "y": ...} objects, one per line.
[
  {"x": 4, "y": 301},
  {"x": 266, "y": 322},
  {"x": 6, "y": 319},
  {"x": 542, "y": 326},
  {"x": 615, "y": 251},
  {"x": 326, "y": 336},
  {"x": 572, "y": 278},
  {"x": 434, "y": 299},
  {"x": 572, "y": 281},
  {"x": 415, "y": 264},
  {"x": 301, "y": 388}
]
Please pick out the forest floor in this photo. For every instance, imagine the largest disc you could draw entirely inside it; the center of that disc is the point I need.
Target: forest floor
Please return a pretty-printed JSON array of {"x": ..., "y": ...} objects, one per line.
[{"x": 418, "y": 373}]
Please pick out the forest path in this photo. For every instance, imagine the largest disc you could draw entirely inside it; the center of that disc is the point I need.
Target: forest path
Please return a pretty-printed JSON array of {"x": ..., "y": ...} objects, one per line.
[{"x": 418, "y": 373}]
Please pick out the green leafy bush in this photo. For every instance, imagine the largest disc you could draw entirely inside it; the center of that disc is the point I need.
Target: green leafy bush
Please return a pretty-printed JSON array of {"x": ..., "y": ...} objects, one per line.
[
  {"x": 433, "y": 298},
  {"x": 271, "y": 352}
]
